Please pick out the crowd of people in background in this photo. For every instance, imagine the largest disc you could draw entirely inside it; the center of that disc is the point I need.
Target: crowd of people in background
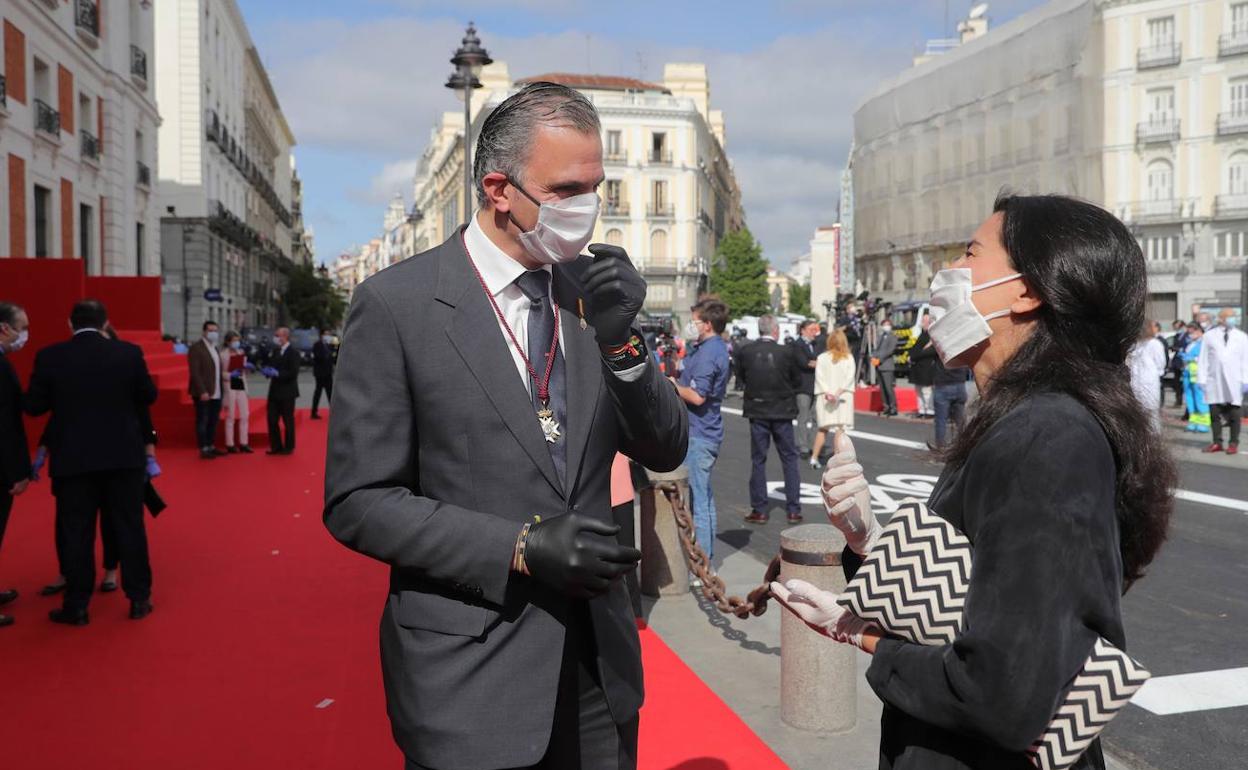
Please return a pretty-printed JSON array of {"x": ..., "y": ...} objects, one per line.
[{"x": 100, "y": 444}]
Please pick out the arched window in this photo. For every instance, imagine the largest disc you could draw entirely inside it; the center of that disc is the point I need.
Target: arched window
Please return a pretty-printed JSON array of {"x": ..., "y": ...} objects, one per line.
[
  {"x": 615, "y": 236},
  {"x": 658, "y": 246},
  {"x": 1160, "y": 181},
  {"x": 1237, "y": 174}
]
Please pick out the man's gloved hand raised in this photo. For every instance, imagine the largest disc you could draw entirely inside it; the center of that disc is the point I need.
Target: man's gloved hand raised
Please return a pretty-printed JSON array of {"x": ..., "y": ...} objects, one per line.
[
  {"x": 847, "y": 497},
  {"x": 616, "y": 293},
  {"x": 577, "y": 555}
]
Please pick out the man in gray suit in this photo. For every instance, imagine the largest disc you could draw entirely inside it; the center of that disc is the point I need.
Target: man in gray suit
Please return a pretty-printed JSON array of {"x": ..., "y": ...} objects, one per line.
[
  {"x": 886, "y": 367},
  {"x": 484, "y": 388}
]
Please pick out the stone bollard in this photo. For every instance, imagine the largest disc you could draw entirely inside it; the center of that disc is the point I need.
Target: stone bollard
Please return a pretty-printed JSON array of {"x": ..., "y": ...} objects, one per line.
[
  {"x": 663, "y": 568},
  {"x": 818, "y": 677}
]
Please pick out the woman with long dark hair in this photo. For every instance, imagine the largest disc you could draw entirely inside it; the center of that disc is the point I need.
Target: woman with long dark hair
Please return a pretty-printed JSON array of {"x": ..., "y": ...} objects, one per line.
[{"x": 1059, "y": 481}]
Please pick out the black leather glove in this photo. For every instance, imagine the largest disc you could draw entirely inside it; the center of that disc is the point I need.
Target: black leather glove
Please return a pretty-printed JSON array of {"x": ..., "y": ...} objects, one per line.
[
  {"x": 577, "y": 555},
  {"x": 616, "y": 292}
]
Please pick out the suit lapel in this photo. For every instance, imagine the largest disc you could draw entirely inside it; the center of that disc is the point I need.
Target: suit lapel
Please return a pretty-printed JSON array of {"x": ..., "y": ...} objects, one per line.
[
  {"x": 473, "y": 331},
  {"x": 583, "y": 370}
]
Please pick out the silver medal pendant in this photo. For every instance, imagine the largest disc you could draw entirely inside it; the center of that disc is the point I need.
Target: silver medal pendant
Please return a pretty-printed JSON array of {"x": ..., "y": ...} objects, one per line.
[{"x": 550, "y": 426}]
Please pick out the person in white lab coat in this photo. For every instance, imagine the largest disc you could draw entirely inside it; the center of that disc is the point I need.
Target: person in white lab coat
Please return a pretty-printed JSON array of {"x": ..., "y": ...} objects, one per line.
[
  {"x": 1222, "y": 370},
  {"x": 1147, "y": 362}
]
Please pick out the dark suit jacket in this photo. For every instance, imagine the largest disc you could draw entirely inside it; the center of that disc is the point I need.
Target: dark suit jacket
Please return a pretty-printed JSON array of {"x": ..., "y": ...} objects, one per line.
[
  {"x": 772, "y": 377},
  {"x": 203, "y": 375},
  {"x": 435, "y": 462},
  {"x": 96, "y": 389},
  {"x": 322, "y": 360},
  {"x": 14, "y": 454},
  {"x": 805, "y": 353},
  {"x": 285, "y": 386}
]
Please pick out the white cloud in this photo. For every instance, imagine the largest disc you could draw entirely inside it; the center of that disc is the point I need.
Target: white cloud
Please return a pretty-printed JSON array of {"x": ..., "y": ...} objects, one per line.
[
  {"x": 376, "y": 87},
  {"x": 393, "y": 178}
]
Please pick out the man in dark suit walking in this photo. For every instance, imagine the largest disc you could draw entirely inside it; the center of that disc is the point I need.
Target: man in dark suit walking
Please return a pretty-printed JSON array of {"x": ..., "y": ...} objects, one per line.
[
  {"x": 486, "y": 386},
  {"x": 96, "y": 389},
  {"x": 773, "y": 376},
  {"x": 283, "y": 374},
  {"x": 807, "y": 351},
  {"x": 323, "y": 360},
  {"x": 14, "y": 454}
]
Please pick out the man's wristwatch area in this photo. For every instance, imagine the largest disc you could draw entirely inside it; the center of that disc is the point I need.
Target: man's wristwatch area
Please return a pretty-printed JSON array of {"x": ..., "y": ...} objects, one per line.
[{"x": 626, "y": 356}]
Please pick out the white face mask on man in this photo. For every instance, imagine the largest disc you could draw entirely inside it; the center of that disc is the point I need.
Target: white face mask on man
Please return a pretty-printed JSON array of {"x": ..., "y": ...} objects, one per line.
[
  {"x": 564, "y": 228},
  {"x": 957, "y": 325}
]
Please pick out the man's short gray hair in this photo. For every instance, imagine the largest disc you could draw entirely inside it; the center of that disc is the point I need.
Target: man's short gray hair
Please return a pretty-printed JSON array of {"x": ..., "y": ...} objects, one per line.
[
  {"x": 767, "y": 326},
  {"x": 507, "y": 134}
]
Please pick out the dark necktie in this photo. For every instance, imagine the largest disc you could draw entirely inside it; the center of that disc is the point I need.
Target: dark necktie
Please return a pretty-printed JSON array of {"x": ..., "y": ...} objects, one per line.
[
  {"x": 1226, "y": 335},
  {"x": 536, "y": 286}
]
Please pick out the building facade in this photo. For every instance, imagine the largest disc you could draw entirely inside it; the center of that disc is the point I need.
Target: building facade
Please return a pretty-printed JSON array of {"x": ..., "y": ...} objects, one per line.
[
  {"x": 225, "y": 181},
  {"x": 1140, "y": 106},
  {"x": 670, "y": 193},
  {"x": 78, "y": 125}
]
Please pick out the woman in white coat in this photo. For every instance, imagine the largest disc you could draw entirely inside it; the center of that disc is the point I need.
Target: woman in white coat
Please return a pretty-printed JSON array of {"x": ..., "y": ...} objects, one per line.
[
  {"x": 1222, "y": 370},
  {"x": 834, "y": 392}
]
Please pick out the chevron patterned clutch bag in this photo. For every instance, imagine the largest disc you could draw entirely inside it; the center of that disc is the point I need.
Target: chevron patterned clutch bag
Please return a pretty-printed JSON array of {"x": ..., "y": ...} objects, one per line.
[{"x": 914, "y": 584}]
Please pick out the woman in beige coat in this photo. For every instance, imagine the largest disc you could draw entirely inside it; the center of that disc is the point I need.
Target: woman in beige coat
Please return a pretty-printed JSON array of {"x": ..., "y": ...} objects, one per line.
[{"x": 834, "y": 392}]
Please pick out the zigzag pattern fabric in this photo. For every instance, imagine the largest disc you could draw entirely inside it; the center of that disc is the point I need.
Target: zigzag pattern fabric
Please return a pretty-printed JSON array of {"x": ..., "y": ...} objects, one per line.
[
  {"x": 914, "y": 584},
  {"x": 914, "y": 581},
  {"x": 1106, "y": 683}
]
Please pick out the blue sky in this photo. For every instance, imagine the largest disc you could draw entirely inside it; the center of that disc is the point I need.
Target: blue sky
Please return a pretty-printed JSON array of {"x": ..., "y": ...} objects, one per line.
[{"x": 361, "y": 83}]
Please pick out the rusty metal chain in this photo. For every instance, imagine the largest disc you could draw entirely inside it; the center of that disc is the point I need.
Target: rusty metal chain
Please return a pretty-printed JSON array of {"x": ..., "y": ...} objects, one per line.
[{"x": 699, "y": 564}]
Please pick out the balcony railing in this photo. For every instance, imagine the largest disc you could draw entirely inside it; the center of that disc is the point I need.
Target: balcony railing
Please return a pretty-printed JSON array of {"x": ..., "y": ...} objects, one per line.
[
  {"x": 1159, "y": 55},
  {"x": 660, "y": 210},
  {"x": 1168, "y": 210},
  {"x": 615, "y": 157},
  {"x": 1157, "y": 130},
  {"x": 47, "y": 119},
  {"x": 143, "y": 174},
  {"x": 615, "y": 209},
  {"x": 660, "y": 157},
  {"x": 138, "y": 63},
  {"x": 1233, "y": 44},
  {"x": 4, "y": 95},
  {"x": 1231, "y": 123},
  {"x": 90, "y": 145},
  {"x": 87, "y": 17},
  {"x": 1233, "y": 206}
]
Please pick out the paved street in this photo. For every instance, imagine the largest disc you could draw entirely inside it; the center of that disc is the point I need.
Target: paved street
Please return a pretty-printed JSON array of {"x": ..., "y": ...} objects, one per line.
[{"x": 1186, "y": 617}]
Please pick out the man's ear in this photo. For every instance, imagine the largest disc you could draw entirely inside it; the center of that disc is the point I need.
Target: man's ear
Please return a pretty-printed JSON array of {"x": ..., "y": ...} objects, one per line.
[{"x": 495, "y": 185}]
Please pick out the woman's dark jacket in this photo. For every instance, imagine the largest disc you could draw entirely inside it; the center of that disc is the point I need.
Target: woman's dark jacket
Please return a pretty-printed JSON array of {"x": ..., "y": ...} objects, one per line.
[{"x": 1036, "y": 499}]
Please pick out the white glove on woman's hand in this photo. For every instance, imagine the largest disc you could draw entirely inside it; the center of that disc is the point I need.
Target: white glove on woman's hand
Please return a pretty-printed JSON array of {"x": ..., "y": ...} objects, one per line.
[
  {"x": 819, "y": 610},
  {"x": 847, "y": 497}
]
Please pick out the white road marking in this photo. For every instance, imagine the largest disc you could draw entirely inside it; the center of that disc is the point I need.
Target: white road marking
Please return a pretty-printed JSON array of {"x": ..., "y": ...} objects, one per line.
[
  {"x": 325, "y": 703},
  {"x": 1192, "y": 497},
  {"x": 1184, "y": 693}
]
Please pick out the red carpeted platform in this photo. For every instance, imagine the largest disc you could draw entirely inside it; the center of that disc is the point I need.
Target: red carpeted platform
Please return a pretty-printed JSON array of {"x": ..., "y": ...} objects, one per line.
[{"x": 262, "y": 651}]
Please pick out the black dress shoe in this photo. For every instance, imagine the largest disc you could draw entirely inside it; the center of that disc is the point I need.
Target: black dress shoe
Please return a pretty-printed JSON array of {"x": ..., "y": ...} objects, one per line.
[
  {"x": 69, "y": 617},
  {"x": 232, "y": 450},
  {"x": 7, "y": 596},
  {"x": 275, "y": 451},
  {"x": 6, "y": 620},
  {"x": 218, "y": 452},
  {"x": 757, "y": 518},
  {"x": 245, "y": 449},
  {"x": 207, "y": 454},
  {"x": 140, "y": 610},
  {"x": 52, "y": 589},
  {"x": 108, "y": 586},
  {"x": 795, "y": 518},
  {"x": 316, "y": 417}
]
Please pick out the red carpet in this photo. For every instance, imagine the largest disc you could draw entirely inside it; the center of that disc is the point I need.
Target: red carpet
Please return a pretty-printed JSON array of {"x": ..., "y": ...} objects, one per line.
[{"x": 260, "y": 616}]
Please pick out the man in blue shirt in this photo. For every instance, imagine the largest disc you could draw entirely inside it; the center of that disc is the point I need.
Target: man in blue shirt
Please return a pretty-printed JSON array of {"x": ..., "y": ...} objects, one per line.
[{"x": 702, "y": 385}]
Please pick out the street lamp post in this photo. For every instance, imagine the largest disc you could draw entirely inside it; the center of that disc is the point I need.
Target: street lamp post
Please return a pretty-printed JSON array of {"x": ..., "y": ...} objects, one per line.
[{"x": 469, "y": 59}]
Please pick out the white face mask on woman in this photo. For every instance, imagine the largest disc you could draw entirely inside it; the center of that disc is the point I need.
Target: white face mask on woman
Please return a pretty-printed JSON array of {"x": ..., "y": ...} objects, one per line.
[
  {"x": 564, "y": 227},
  {"x": 957, "y": 325}
]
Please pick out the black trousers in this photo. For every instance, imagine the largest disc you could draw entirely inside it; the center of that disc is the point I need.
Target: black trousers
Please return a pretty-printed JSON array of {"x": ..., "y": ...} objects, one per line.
[
  {"x": 326, "y": 384},
  {"x": 886, "y": 391},
  {"x": 283, "y": 410},
  {"x": 78, "y": 499},
  {"x": 206, "y": 415},
  {"x": 583, "y": 735},
  {"x": 1229, "y": 412},
  {"x": 108, "y": 538}
]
